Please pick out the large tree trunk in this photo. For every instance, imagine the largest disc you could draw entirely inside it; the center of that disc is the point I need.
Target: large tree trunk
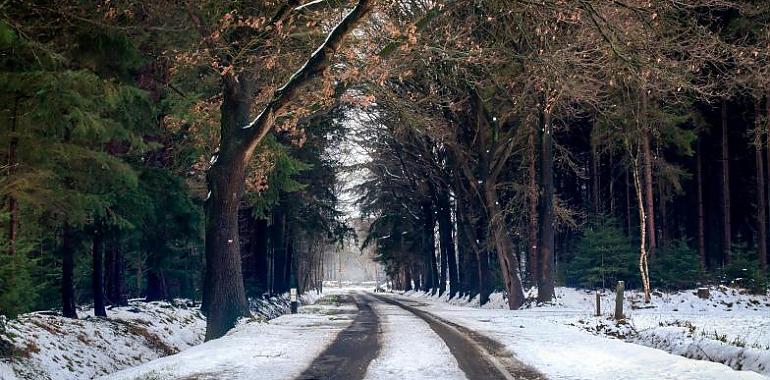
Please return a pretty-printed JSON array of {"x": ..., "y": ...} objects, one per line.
[
  {"x": 532, "y": 192},
  {"x": 505, "y": 250},
  {"x": 760, "y": 196},
  {"x": 648, "y": 169},
  {"x": 68, "y": 273},
  {"x": 725, "y": 189},
  {"x": 224, "y": 296},
  {"x": 97, "y": 273},
  {"x": 545, "y": 284},
  {"x": 701, "y": 211}
]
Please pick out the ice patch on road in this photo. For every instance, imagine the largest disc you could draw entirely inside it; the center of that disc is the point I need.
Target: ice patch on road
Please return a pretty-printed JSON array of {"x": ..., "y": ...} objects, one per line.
[{"x": 410, "y": 349}]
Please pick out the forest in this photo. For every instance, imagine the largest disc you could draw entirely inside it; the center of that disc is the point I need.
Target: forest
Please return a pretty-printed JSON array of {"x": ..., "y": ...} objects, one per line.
[{"x": 179, "y": 149}]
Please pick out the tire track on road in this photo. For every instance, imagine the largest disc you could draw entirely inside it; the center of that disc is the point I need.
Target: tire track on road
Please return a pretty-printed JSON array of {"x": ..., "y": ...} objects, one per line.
[
  {"x": 348, "y": 357},
  {"x": 480, "y": 357}
]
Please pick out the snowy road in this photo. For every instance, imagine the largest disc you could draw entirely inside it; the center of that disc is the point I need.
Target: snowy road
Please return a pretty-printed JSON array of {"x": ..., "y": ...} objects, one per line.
[{"x": 353, "y": 335}]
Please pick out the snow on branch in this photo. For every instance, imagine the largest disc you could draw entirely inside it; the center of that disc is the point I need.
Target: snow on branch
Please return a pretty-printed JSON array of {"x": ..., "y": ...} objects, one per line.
[{"x": 258, "y": 128}]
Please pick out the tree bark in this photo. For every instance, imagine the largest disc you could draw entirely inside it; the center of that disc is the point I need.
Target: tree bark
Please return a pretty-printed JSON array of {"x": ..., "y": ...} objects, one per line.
[
  {"x": 701, "y": 211},
  {"x": 156, "y": 280},
  {"x": 643, "y": 256},
  {"x": 429, "y": 244},
  {"x": 115, "y": 268},
  {"x": 97, "y": 273},
  {"x": 482, "y": 255},
  {"x": 224, "y": 297},
  {"x": 767, "y": 137},
  {"x": 725, "y": 190},
  {"x": 663, "y": 216},
  {"x": 760, "y": 173},
  {"x": 13, "y": 207},
  {"x": 504, "y": 245},
  {"x": 444, "y": 216},
  {"x": 407, "y": 278},
  {"x": 532, "y": 195},
  {"x": 648, "y": 169},
  {"x": 628, "y": 205},
  {"x": 595, "y": 179},
  {"x": 545, "y": 285},
  {"x": 68, "y": 273}
]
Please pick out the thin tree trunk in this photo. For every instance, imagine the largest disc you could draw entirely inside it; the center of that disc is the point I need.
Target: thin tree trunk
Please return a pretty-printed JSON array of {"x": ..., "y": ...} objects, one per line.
[
  {"x": 628, "y": 205},
  {"x": 429, "y": 244},
  {"x": 97, "y": 273},
  {"x": 444, "y": 216},
  {"x": 701, "y": 211},
  {"x": 760, "y": 173},
  {"x": 643, "y": 267},
  {"x": 533, "y": 206},
  {"x": 664, "y": 235},
  {"x": 648, "y": 169},
  {"x": 767, "y": 137},
  {"x": 611, "y": 180},
  {"x": 13, "y": 207},
  {"x": 68, "y": 273},
  {"x": 725, "y": 193},
  {"x": 595, "y": 179},
  {"x": 545, "y": 285},
  {"x": 442, "y": 259}
]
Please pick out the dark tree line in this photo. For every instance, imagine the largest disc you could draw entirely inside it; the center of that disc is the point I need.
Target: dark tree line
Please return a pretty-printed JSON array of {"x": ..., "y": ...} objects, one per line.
[
  {"x": 108, "y": 139},
  {"x": 561, "y": 132}
]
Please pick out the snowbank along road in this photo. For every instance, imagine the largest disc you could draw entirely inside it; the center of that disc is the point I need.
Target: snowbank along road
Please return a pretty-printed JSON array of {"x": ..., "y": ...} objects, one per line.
[{"x": 354, "y": 334}]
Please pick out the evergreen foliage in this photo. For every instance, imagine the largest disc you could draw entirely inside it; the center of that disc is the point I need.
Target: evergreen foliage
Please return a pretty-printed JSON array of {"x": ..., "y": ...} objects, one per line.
[
  {"x": 603, "y": 256},
  {"x": 676, "y": 267}
]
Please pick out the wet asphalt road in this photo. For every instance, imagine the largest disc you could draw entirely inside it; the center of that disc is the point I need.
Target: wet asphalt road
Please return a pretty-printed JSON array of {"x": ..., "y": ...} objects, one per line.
[{"x": 348, "y": 357}]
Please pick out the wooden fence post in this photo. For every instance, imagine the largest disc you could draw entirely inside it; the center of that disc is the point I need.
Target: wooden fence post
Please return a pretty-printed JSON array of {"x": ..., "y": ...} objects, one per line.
[
  {"x": 619, "y": 300},
  {"x": 598, "y": 304}
]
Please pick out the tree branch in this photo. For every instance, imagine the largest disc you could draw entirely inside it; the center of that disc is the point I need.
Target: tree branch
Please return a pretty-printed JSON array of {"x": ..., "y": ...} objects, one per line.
[{"x": 258, "y": 128}]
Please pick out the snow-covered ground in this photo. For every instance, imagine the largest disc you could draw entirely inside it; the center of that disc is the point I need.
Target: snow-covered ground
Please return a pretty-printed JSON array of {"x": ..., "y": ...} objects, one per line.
[
  {"x": 563, "y": 341},
  {"x": 731, "y": 327},
  {"x": 279, "y": 349},
  {"x": 48, "y": 346}
]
